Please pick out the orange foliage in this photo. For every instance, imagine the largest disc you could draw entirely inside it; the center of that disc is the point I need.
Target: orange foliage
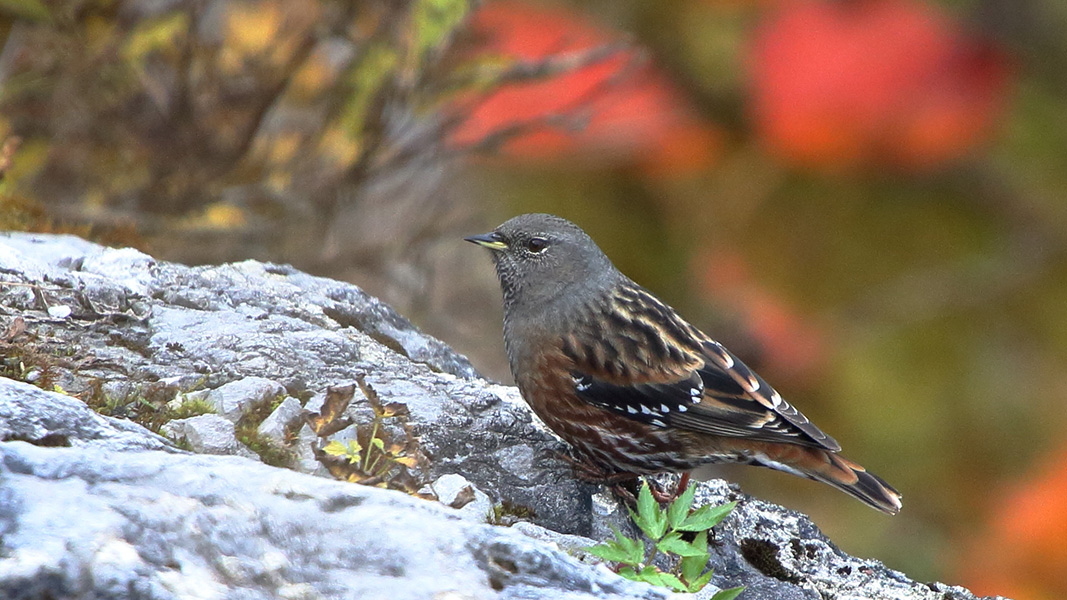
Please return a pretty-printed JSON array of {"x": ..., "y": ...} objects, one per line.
[
  {"x": 617, "y": 110},
  {"x": 1023, "y": 554},
  {"x": 872, "y": 82}
]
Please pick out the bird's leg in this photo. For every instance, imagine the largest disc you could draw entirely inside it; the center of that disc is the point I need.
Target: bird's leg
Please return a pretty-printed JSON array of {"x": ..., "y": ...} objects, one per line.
[
  {"x": 665, "y": 497},
  {"x": 683, "y": 484},
  {"x": 590, "y": 472}
]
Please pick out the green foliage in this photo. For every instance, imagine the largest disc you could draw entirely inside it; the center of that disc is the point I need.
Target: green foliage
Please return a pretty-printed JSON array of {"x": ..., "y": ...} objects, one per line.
[
  {"x": 247, "y": 432},
  {"x": 508, "y": 513},
  {"x": 31, "y": 10},
  {"x": 434, "y": 21},
  {"x": 668, "y": 530},
  {"x": 191, "y": 407}
]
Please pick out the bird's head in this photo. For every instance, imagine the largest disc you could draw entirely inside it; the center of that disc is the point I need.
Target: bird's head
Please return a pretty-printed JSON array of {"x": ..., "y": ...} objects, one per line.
[{"x": 540, "y": 258}]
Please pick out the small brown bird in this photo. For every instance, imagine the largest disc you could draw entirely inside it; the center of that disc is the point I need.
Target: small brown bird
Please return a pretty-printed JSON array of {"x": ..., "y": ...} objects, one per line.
[{"x": 630, "y": 384}]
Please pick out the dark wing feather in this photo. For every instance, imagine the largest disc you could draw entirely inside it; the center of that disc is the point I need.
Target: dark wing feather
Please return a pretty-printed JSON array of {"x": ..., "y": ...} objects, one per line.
[
  {"x": 653, "y": 367},
  {"x": 751, "y": 393}
]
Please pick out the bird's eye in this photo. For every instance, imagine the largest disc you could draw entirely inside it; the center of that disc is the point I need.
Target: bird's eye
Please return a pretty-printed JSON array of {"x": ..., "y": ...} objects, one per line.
[{"x": 537, "y": 245}]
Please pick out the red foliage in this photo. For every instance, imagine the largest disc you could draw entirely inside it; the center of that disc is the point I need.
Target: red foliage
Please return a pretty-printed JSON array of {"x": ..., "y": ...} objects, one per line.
[
  {"x": 1023, "y": 553},
  {"x": 626, "y": 111},
  {"x": 872, "y": 82}
]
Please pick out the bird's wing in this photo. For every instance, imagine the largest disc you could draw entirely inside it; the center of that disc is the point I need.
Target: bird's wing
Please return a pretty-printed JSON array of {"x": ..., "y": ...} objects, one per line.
[{"x": 653, "y": 367}]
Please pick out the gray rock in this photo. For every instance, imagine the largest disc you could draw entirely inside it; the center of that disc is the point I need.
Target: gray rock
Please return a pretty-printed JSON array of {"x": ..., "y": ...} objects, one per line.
[
  {"x": 207, "y": 434},
  {"x": 162, "y": 526},
  {"x": 274, "y": 427},
  {"x": 305, "y": 456},
  {"x": 456, "y": 492},
  {"x": 234, "y": 399},
  {"x": 51, "y": 419},
  {"x": 159, "y": 523}
]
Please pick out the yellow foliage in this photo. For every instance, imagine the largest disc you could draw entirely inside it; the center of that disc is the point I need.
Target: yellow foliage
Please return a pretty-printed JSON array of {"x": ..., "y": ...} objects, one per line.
[
  {"x": 162, "y": 34},
  {"x": 284, "y": 147},
  {"x": 99, "y": 34},
  {"x": 279, "y": 181},
  {"x": 312, "y": 77},
  {"x": 336, "y": 144},
  {"x": 217, "y": 216},
  {"x": 251, "y": 28}
]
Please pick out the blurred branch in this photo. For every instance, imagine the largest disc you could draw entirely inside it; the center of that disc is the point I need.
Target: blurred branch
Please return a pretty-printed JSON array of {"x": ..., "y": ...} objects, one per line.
[{"x": 571, "y": 117}]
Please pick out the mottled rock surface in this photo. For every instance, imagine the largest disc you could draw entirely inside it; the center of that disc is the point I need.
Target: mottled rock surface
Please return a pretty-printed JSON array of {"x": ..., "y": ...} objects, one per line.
[{"x": 94, "y": 506}]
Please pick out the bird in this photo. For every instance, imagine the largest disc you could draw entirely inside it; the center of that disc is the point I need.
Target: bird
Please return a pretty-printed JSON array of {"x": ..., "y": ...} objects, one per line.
[{"x": 633, "y": 387}]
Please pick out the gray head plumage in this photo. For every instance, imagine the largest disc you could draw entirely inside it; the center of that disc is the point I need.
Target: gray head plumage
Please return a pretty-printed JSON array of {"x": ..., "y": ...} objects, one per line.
[{"x": 541, "y": 259}]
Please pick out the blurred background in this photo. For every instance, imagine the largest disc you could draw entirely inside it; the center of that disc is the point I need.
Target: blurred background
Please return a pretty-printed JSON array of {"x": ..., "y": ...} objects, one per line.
[{"x": 865, "y": 199}]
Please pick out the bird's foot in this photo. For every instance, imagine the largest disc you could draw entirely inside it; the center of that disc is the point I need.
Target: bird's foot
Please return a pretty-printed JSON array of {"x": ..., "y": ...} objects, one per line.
[
  {"x": 667, "y": 496},
  {"x": 623, "y": 484}
]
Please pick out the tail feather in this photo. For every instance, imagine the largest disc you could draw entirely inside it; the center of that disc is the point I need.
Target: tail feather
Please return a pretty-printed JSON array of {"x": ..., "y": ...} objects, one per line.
[
  {"x": 837, "y": 471},
  {"x": 868, "y": 487}
]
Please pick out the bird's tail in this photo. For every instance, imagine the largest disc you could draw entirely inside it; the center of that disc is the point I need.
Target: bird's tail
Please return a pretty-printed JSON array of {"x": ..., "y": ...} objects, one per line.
[{"x": 833, "y": 469}]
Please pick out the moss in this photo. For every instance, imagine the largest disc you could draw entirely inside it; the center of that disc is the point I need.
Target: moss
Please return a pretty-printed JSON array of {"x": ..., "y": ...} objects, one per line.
[
  {"x": 269, "y": 452},
  {"x": 508, "y": 513},
  {"x": 247, "y": 432},
  {"x": 190, "y": 407}
]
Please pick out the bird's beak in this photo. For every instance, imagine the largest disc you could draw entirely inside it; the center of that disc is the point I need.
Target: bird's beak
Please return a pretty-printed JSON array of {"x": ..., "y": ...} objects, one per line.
[{"x": 491, "y": 240}]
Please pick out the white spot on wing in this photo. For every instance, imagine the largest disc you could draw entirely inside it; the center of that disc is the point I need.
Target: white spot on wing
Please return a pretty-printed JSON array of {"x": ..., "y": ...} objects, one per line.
[
  {"x": 644, "y": 410},
  {"x": 658, "y": 422},
  {"x": 581, "y": 384},
  {"x": 682, "y": 408},
  {"x": 696, "y": 394},
  {"x": 631, "y": 410},
  {"x": 665, "y": 408},
  {"x": 776, "y": 399}
]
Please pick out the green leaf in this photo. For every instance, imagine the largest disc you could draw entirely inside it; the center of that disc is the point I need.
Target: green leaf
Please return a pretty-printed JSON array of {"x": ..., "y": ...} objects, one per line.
[
  {"x": 634, "y": 550},
  {"x": 701, "y": 541},
  {"x": 706, "y": 517},
  {"x": 647, "y": 507},
  {"x": 674, "y": 543},
  {"x": 699, "y": 583},
  {"x": 378, "y": 443},
  {"x": 680, "y": 507},
  {"x": 729, "y": 594},
  {"x": 650, "y": 518},
  {"x": 629, "y": 573},
  {"x": 654, "y": 576},
  {"x": 609, "y": 551},
  {"x": 648, "y": 574},
  {"x": 692, "y": 566},
  {"x": 670, "y": 580}
]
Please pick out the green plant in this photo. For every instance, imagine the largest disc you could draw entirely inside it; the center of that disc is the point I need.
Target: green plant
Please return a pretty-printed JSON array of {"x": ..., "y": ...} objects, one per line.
[
  {"x": 247, "y": 432},
  {"x": 374, "y": 461},
  {"x": 384, "y": 452},
  {"x": 668, "y": 530}
]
